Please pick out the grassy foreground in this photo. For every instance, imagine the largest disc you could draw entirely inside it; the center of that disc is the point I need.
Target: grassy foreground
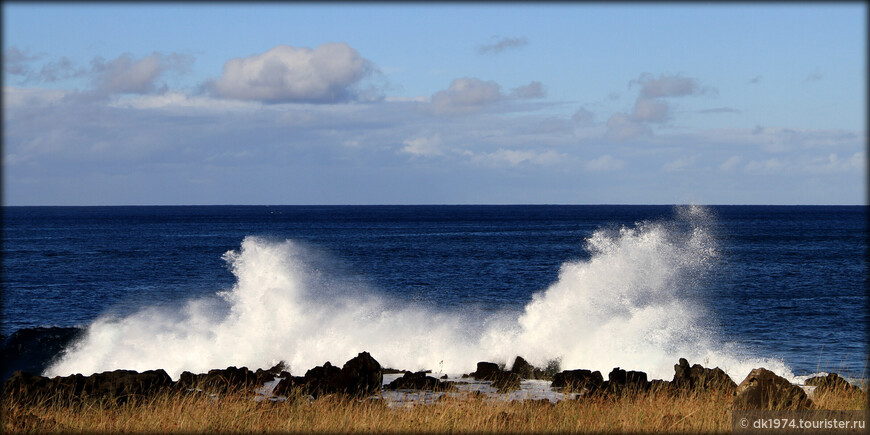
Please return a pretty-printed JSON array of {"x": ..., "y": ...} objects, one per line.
[{"x": 192, "y": 413}]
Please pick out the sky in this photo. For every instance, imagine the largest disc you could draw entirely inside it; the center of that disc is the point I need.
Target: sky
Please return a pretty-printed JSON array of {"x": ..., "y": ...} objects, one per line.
[{"x": 423, "y": 103}]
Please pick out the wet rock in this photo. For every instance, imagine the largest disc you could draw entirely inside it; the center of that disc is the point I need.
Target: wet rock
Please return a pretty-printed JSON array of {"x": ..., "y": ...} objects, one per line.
[
  {"x": 523, "y": 369},
  {"x": 269, "y": 375},
  {"x": 832, "y": 382},
  {"x": 577, "y": 380},
  {"x": 699, "y": 378},
  {"x": 361, "y": 375},
  {"x": 416, "y": 381},
  {"x": 500, "y": 379},
  {"x": 619, "y": 381},
  {"x": 763, "y": 389},
  {"x": 32, "y": 350},
  {"x": 486, "y": 371},
  {"x": 118, "y": 386}
]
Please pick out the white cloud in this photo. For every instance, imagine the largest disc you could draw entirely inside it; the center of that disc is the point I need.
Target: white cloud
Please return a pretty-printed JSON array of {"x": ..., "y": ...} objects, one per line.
[
  {"x": 505, "y": 157},
  {"x": 529, "y": 91},
  {"x": 768, "y": 166},
  {"x": 668, "y": 86},
  {"x": 730, "y": 164},
  {"x": 583, "y": 117},
  {"x": 502, "y": 44},
  {"x": 621, "y": 127},
  {"x": 680, "y": 164},
  {"x": 125, "y": 75},
  {"x": 326, "y": 74},
  {"x": 650, "y": 110},
  {"x": 423, "y": 146},
  {"x": 605, "y": 163},
  {"x": 466, "y": 95}
]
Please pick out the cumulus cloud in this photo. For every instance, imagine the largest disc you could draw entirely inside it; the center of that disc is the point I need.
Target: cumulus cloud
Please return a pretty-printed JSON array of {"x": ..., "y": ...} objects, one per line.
[
  {"x": 583, "y": 117},
  {"x": 668, "y": 86},
  {"x": 529, "y": 91},
  {"x": 650, "y": 106},
  {"x": 502, "y": 44},
  {"x": 730, "y": 164},
  {"x": 680, "y": 164},
  {"x": 326, "y": 74},
  {"x": 423, "y": 146},
  {"x": 604, "y": 163},
  {"x": 506, "y": 157},
  {"x": 466, "y": 95},
  {"x": 622, "y": 127},
  {"x": 650, "y": 110},
  {"x": 126, "y": 75}
]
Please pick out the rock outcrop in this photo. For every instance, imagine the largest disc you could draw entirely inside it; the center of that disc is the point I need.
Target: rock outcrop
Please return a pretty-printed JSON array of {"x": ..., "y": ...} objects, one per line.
[
  {"x": 118, "y": 386},
  {"x": 359, "y": 376},
  {"x": 577, "y": 380},
  {"x": 832, "y": 382},
  {"x": 500, "y": 379},
  {"x": 698, "y": 378},
  {"x": 763, "y": 389},
  {"x": 418, "y": 381}
]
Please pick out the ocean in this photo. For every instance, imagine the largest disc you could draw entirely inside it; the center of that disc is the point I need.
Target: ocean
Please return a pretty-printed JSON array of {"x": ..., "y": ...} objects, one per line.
[{"x": 442, "y": 287}]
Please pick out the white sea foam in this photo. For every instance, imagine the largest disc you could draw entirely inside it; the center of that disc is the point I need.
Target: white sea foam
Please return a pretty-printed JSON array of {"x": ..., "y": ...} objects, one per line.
[{"x": 630, "y": 305}]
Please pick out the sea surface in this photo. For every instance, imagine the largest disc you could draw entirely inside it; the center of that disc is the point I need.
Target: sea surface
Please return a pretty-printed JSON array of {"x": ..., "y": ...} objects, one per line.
[{"x": 442, "y": 287}]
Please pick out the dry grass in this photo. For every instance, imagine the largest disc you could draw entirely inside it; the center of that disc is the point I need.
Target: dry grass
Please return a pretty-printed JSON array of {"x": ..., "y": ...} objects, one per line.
[{"x": 197, "y": 413}]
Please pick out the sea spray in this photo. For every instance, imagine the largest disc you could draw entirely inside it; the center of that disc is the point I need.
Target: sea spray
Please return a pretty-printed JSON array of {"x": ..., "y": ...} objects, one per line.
[{"x": 632, "y": 304}]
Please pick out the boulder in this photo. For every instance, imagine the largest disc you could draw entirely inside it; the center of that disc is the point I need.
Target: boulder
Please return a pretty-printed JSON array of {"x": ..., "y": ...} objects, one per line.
[
  {"x": 503, "y": 380},
  {"x": 699, "y": 378},
  {"x": 486, "y": 371},
  {"x": 359, "y": 376},
  {"x": 577, "y": 380},
  {"x": 416, "y": 381},
  {"x": 763, "y": 389},
  {"x": 118, "y": 386},
  {"x": 832, "y": 382},
  {"x": 220, "y": 381},
  {"x": 523, "y": 369},
  {"x": 619, "y": 381}
]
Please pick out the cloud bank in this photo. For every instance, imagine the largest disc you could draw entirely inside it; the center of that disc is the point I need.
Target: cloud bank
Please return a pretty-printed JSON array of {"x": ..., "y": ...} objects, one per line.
[{"x": 326, "y": 74}]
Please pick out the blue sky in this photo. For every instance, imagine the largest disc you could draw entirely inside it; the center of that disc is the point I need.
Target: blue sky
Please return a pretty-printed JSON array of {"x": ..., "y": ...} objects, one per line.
[{"x": 429, "y": 104}]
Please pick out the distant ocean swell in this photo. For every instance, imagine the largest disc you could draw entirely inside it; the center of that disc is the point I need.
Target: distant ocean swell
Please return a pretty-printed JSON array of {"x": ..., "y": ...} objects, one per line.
[{"x": 631, "y": 304}]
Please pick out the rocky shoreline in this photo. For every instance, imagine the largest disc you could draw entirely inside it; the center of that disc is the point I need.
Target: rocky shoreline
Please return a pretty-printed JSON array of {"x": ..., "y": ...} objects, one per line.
[{"x": 29, "y": 351}]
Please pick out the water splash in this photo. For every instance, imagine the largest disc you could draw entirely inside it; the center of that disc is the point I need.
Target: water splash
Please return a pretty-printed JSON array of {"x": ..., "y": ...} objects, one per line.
[{"x": 631, "y": 304}]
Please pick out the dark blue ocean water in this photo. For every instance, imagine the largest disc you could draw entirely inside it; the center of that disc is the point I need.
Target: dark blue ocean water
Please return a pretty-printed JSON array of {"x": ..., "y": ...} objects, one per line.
[{"x": 789, "y": 281}]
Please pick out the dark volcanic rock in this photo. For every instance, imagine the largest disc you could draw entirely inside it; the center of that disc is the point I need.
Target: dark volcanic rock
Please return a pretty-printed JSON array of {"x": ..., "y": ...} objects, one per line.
[
  {"x": 359, "y": 376},
  {"x": 578, "y": 380},
  {"x": 118, "y": 386},
  {"x": 698, "y": 378},
  {"x": 619, "y": 380},
  {"x": 34, "y": 349},
  {"x": 763, "y": 389},
  {"x": 417, "y": 381},
  {"x": 831, "y": 383},
  {"x": 523, "y": 369},
  {"x": 503, "y": 380},
  {"x": 220, "y": 381},
  {"x": 486, "y": 371}
]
